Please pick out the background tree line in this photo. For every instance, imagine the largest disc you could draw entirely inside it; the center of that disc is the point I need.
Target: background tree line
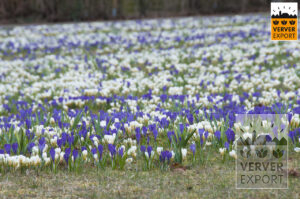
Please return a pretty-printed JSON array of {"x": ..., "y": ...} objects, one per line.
[{"x": 28, "y": 11}]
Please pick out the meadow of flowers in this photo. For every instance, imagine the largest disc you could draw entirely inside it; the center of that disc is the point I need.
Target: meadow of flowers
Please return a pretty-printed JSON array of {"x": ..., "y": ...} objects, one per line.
[{"x": 139, "y": 94}]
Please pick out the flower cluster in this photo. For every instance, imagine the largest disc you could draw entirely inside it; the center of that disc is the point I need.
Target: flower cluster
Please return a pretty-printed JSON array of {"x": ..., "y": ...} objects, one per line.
[{"x": 160, "y": 91}]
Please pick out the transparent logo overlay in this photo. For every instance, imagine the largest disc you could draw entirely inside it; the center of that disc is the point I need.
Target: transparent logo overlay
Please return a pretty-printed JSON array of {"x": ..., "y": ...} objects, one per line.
[{"x": 261, "y": 146}]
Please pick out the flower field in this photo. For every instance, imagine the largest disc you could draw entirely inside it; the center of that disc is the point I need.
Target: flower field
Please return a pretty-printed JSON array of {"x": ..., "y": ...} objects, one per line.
[{"x": 145, "y": 95}]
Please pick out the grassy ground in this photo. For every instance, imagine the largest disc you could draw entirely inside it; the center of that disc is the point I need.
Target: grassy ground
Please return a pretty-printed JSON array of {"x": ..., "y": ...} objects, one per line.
[{"x": 212, "y": 180}]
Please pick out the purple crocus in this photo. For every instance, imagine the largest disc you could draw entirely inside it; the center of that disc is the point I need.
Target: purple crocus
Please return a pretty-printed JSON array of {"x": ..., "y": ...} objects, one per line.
[
  {"x": 181, "y": 128},
  {"x": 100, "y": 149},
  {"x": 67, "y": 154},
  {"x": 165, "y": 155},
  {"x": 83, "y": 148},
  {"x": 15, "y": 147},
  {"x": 155, "y": 133},
  {"x": 193, "y": 148},
  {"x": 149, "y": 150},
  {"x": 30, "y": 146},
  {"x": 112, "y": 150},
  {"x": 52, "y": 154},
  {"x": 143, "y": 148},
  {"x": 70, "y": 140},
  {"x": 75, "y": 154},
  {"x": 138, "y": 135},
  {"x": 59, "y": 142},
  {"x": 42, "y": 143},
  {"x": 94, "y": 151},
  {"x": 227, "y": 145},
  {"x": 190, "y": 118},
  {"x": 230, "y": 135},
  {"x": 171, "y": 134},
  {"x": 218, "y": 135},
  {"x": 144, "y": 129},
  {"x": 292, "y": 135},
  {"x": 7, "y": 148}
]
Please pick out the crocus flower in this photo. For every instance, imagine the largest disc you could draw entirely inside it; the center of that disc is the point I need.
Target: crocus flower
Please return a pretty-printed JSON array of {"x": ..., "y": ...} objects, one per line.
[
  {"x": 171, "y": 134},
  {"x": 144, "y": 129},
  {"x": 292, "y": 135},
  {"x": 7, "y": 148},
  {"x": 42, "y": 143},
  {"x": 83, "y": 148},
  {"x": 155, "y": 133},
  {"x": 121, "y": 151},
  {"x": 218, "y": 135},
  {"x": 94, "y": 151},
  {"x": 165, "y": 155},
  {"x": 181, "y": 128},
  {"x": 233, "y": 154},
  {"x": 227, "y": 145},
  {"x": 230, "y": 135},
  {"x": 52, "y": 154},
  {"x": 70, "y": 140},
  {"x": 138, "y": 135},
  {"x": 193, "y": 148},
  {"x": 149, "y": 150},
  {"x": 100, "y": 149},
  {"x": 143, "y": 148},
  {"x": 30, "y": 146},
  {"x": 15, "y": 147},
  {"x": 222, "y": 151},
  {"x": 112, "y": 149},
  {"x": 67, "y": 154},
  {"x": 75, "y": 154}
]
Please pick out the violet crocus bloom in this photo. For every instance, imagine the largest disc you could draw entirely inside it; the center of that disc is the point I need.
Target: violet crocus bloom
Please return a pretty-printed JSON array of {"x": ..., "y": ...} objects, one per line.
[
  {"x": 143, "y": 148},
  {"x": 181, "y": 127},
  {"x": 149, "y": 150},
  {"x": 100, "y": 149},
  {"x": 138, "y": 135},
  {"x": 121, "y": 152},
  {"x": 144, "y": 129},
  {"x": 218, "y": 135},
  {"x": 227, "y": 145},
  {"x": 75, "y": 154},
  {"x": 193, "y": 148},
  {"x": 230, "y": 135},
  {"x": 15, "y": 147},
  {"x": 155, "y": 133},
  {"x": 70, "y": 140},
  {"x": 7, "y": 148},
  {"x": 165, "y": 155},
  {"x": 170, "y": 134},
  {"x": 42, "y": 143},
  {"x": 94, "y": 151},
  {"x": 67, "y": 154},
  {"x": 112, "y": 150},
  {"x": 201, "y": 131},
  {"x": 59, "y": 142},
  {"x": 30, "y": 146},
  {"x": 52, "y": 154},
  {"x": 292, "y": 135},
  {"x": 83, "y": 148}
]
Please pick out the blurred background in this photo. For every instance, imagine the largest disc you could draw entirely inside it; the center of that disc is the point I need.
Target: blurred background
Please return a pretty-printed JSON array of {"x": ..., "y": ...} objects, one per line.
[{"x": 40, "y": 11}]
